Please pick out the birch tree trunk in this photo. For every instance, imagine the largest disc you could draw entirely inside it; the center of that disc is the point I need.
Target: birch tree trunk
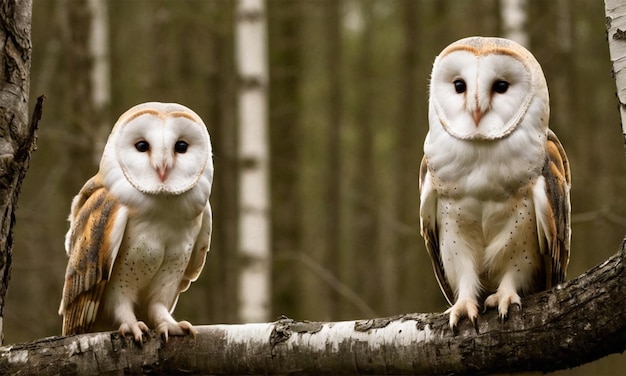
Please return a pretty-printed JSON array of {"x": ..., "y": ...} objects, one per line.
[
  {"x": 572, "y": 324},
  {"x": 616, "y": 28},
  {"x": 16, "y": 138},
  {"x": 100, "y": 73},
  {"x": 513, "y": 14},
  {"x": 254, "y": 235}
]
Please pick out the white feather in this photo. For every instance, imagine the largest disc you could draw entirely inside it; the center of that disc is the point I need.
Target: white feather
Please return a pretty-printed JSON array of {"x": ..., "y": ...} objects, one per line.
[
  {"x": 485, "y": 151},
  {"x": 157, "y": 230}
]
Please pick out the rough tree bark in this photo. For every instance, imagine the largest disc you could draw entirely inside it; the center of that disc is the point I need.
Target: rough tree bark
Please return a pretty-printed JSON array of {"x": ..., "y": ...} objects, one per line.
[
  {"x": 572, "y": 324},
  {"x": 16, "y": 137}
]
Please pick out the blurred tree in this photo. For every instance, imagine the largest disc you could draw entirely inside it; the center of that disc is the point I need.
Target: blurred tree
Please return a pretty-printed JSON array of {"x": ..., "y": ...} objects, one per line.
[
  {"x": 222, "y": 266},
  {"x": 80, "y": 108},
  {"x": 334, "y": 170},
  {"x": 513, "y": 20},
  {"x": 100, "y": 73},
  {"x": 284, "y": 23},
  {"x": 254, "y": 227},
  {"x": 363, "y": 193}
]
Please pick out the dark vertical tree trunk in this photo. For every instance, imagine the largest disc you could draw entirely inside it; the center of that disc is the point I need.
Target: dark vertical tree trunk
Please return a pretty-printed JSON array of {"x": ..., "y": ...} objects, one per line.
[
  {"x": 79, "y": 110},
  {"x": 284, "y": 42},
  {"x": 364, "y": 195},
  {"x": 333, "y": 183},
  {"x": 407, "y": 151},
  {"x": 224, "y": 196},
  {"x": 15, "y": 136}
]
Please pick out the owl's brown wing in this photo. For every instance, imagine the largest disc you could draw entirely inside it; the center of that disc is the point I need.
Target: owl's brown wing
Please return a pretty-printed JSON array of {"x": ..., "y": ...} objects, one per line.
[
  {"x": 429, "y": 229},
  {"x": 198, "y": 255},
  {"x": 97, "y": 223},
  {"x": 552, "y": 206}
]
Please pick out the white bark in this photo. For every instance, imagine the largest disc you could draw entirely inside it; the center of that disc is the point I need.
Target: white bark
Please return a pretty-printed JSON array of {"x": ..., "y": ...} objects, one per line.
[
  {"x": 616, "y": 28},
  {"x": 254, "y": 227},
  {"x": 572, "y": 324},
  {"x": 513, "y": 14},
  {"x": 100, "y": 72},
  {"x": 99, "y": 46}
]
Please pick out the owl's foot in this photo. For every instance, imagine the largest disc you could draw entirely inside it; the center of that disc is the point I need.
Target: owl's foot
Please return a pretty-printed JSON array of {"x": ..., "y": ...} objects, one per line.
[
  {"x": 503, "y": 299},
  {"x": 136, "y": 329},
  {"x": 181, "y": 328},
  {"x": 463, "y": 308}
]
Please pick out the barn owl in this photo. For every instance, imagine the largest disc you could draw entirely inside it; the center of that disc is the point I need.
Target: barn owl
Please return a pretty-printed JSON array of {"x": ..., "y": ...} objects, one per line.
[
  {"x": 140, "y": 228},
  {"x": 494, "y": 180}
]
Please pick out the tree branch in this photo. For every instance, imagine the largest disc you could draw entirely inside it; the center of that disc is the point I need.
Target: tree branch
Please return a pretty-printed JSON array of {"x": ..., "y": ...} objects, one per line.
[{"x": 572, "y": 324}]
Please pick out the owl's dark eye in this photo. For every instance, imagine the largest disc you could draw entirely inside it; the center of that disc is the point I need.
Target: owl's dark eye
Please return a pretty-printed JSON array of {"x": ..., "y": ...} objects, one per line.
[
  {"x": 181, "y": 147},
  {"x": 459, "y": 86},
  {"x": 500, "y": 86},
  {"x": 142, "y": 146}
]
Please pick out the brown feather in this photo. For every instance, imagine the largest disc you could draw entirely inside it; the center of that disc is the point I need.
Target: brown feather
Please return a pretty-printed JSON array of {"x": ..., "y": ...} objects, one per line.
[
  {"x": 91, "y": 256},
  {"x": 556, "y": 172},
  {"x": 431, "y": 238}
]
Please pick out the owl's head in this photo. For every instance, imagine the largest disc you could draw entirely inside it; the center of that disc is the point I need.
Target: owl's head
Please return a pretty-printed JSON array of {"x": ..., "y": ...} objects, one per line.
[
  {"x": 161, "y": 148},
  {"x": 483, "y": 88}
]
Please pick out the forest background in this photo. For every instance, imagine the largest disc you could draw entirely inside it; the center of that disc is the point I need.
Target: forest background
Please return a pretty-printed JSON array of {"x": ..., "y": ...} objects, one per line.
[{"x": 347, "y": 102}]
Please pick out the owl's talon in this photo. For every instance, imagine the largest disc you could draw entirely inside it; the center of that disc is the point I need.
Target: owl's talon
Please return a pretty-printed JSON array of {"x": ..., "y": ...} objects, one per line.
[
  {"x": 136, "y": 329},
  {"x": 188, "y": 328},
  {"x": 165, "y": 329},
  {"x": 463, "y": 308},
  {"x": 503, "y": 300}
]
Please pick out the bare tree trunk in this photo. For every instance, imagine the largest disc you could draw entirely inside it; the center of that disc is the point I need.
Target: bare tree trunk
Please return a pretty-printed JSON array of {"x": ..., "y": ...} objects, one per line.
[
  {"x": 364, "y": 190},
  {"x": 572, "y": 324},
  {"x": 100, "y": 73},
  {"x": 513, "y": 14},
  {"x": 79, "y": 108},
  {"x": 284, "y": 24},
  {"x": 616, "y": 29},
  {"x": 408, "y": 152},
  {"x": 254, "y": 228},
  {"x": 222, "y": 108},
  {"x": 16, "y": 138},
  {"x": 335, "y": 169}
]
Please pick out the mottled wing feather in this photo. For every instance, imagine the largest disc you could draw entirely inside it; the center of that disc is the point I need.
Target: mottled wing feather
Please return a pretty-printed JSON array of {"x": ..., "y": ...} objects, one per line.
[
  {"x": 429, "y": 229},
  {"x": 97, "y": 221},
  {"x": 556, "y": 172},
  {"x": 198, "y": 255}
]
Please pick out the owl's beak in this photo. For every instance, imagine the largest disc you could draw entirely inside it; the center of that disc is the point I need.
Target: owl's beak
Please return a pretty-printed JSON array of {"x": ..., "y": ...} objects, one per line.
[
  {"x": 477, "y": 114},
  {"x": 162, "y": 171}
]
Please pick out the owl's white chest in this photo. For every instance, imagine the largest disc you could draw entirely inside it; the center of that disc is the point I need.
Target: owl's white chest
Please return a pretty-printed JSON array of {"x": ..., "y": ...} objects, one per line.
[
  {"x": 498, "y": 237},
  {"x": 156, "y": 252},
  {"x": 153, "y": 257},
  {"x": 485, "y": 209}
]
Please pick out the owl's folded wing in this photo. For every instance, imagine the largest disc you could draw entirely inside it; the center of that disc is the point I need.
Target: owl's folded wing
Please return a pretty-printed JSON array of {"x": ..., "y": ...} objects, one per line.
[
  {"x": 97, "y": 223},
  {"x": 552, "y": 207},
  {"x": 198, "y": 256},
  {"x": 429, "y": 229}
]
